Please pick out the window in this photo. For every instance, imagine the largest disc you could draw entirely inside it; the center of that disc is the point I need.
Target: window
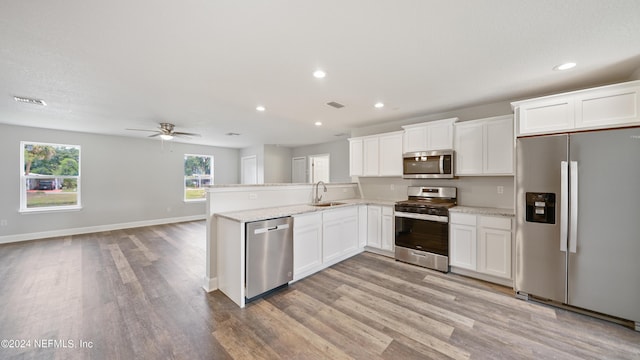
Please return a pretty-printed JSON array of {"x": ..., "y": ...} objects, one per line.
[
  {"x": 198, "y": 173},
  {"x": 50, "y": 176}
]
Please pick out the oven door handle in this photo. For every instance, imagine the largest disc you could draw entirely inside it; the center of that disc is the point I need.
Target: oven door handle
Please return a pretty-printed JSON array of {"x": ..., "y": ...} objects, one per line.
[{"x": 442, "y": 219}]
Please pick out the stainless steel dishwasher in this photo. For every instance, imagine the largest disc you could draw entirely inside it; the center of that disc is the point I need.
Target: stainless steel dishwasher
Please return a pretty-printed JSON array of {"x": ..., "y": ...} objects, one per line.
[{"x": 269, "y": 255}]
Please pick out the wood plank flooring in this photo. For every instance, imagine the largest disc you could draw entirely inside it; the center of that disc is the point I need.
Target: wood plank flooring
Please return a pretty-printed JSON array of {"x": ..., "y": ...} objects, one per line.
[{"x": 136, "y": 294}]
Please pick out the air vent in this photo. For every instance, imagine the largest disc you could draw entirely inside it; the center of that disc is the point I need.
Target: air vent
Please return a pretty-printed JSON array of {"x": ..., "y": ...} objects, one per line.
[
  {"x": 30, "y": 101},
  {"x": 232, "y": 134},
  {"x": 335, "y": 105},
  {"x": 340, "y": 134}
]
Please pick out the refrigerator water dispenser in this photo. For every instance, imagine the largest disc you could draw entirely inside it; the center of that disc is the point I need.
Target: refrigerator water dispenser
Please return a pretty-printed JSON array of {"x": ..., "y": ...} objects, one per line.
[{"x": 541, "y": 207}]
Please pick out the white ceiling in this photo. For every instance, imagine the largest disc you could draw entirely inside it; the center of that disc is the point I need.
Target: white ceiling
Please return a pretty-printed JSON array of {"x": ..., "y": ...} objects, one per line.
[{"x": 204, "y": 65}]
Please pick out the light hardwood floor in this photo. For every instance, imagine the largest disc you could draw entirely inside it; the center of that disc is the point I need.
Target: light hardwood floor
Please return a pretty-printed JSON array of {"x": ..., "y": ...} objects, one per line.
[{"x": 136, "y": 294}]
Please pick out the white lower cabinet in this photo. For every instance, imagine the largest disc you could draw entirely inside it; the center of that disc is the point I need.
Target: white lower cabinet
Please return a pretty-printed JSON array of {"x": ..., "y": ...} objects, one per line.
[
  {"x": 374, "y": 226},
  {"x": 339, "y": 233},
  {"x": 321, "y": 239},
  {"x": 387, "y": 233},
  {"x": 481, "y": 244},
  {"x": 380, "y": 227},
  {"x": 362, "y": 226},
  {"x": 463, "y": 241},
  {"x": 494, "y": 252},
  {"x": 307, "y": 244}
]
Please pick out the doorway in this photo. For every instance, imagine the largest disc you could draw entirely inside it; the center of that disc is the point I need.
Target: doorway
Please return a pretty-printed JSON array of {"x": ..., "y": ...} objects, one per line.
[
  {"x": 249, "y": 170},
  {"x": 299, "y": 170},
  {"x": 319, "y": 168}
]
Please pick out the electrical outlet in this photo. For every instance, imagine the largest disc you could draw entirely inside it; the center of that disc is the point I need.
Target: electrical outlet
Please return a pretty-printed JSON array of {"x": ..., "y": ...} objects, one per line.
[
  {"x": 3, "y": 222},
  {"x": 500, "y": 189},
  {"x": 253, "y": 196}
]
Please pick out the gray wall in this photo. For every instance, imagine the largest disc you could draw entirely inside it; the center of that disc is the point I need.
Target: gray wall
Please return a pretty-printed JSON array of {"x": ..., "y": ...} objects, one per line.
[
  {"x": 123, "y": 179},
  {"x": 277, "y": 164},
  {"x": 273, "y": 163},
  {"x": 338, "y": 157}
]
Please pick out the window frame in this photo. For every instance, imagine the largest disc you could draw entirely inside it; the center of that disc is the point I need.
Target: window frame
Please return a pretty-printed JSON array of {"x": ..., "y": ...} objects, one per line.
[
  {"x": 184, "y": 179},
  {"x": 24, "y": 177}
]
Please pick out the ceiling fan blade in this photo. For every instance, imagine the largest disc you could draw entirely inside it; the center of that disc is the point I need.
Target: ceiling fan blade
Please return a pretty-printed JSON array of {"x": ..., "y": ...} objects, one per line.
[
  {"x": 154, "y": 135},
  {"x": 180, "y": 133}
]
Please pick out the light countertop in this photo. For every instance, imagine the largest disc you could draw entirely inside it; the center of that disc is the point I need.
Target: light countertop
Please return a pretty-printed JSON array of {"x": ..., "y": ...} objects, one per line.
[
  {"x": 282, "y": 211},
  {"x": 216, "y": 186},
  {"x": 482, "y": 210}
]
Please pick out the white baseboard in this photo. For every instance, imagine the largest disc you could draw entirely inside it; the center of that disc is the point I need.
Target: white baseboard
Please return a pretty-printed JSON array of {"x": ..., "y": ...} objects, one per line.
[
  {"x": 210, "y": 284},
  {"x": 92, "y": 229},
  {"x": 484, "y": 277}
]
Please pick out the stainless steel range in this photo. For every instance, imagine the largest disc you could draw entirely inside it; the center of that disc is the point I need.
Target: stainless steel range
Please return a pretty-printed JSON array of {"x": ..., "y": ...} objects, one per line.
[{"x": 422, "y": 226}]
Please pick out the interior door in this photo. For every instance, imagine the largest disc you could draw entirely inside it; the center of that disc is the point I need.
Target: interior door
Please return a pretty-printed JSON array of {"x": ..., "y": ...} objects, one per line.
[
  {"x": 249, "y": 169},
  {"x": 604, "y": 269},
  {"x": 319, "y": 168},
  {"x": 299, "y": 170},
  {"x": 540, "y": 262}
]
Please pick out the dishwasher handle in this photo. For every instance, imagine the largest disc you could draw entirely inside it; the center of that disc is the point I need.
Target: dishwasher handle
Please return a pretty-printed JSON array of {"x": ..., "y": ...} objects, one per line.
[{"x": 267, "y": 229}]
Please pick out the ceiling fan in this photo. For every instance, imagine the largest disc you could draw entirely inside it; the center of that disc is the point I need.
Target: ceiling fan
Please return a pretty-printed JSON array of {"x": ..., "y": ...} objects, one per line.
[{"x": 166, "y": 132}]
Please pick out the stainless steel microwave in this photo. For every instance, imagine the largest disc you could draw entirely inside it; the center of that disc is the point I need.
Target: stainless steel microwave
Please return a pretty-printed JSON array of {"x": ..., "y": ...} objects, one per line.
[{"x": 428, "y": 165}]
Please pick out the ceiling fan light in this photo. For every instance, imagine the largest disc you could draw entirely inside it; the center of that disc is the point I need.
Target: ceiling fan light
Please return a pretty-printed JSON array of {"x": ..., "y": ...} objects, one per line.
[{"x": 166, "y": 137}]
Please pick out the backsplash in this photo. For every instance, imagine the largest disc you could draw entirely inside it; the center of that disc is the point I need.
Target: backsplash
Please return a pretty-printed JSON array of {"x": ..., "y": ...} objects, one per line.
[{"x": 472, "y": 190}]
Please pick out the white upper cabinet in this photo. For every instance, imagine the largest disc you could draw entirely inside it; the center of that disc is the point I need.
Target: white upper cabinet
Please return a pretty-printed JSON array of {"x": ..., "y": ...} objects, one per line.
[
  {"x": 355, "y": 157},
  {"x": 376, "y": 155},
  {"x": 468, "y": 148},
  {"x": 484, "y": 147},
  {"x": 371, "y": 156},
  {"x": 432, "y": 135},
  {"x": 607, "y": 107},
  {"x": 390, "y": 159},
  {"x": 597, "y": 108},
  {"x": 498, "y": 146}
]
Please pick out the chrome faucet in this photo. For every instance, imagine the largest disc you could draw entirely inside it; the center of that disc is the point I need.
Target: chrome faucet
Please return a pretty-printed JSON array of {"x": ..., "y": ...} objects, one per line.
[{"x": 318, "y": 198}]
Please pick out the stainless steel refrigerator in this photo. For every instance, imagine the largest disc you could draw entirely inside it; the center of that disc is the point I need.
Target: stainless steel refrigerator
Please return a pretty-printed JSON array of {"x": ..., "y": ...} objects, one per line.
[{"x": 578, "y": 220}]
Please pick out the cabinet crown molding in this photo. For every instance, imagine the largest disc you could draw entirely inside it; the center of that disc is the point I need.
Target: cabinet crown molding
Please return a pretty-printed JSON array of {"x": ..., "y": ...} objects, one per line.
[{"x": 428, "y": 123}]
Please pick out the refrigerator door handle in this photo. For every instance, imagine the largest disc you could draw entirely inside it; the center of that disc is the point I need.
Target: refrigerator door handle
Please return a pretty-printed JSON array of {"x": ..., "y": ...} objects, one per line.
[
  {"x": 573, "y": 222},
  {"x": 564, "y": 204}
]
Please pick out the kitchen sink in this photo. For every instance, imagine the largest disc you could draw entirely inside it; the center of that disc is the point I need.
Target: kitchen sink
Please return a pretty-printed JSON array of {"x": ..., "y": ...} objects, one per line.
[{"x": 327, "y": 204}]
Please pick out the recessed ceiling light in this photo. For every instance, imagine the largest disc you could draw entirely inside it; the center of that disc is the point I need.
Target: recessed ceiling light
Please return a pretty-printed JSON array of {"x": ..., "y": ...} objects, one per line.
[
  {"x": 378, "y": 105},
  {"x": 319, "y": 74},
  {"x": 318, "y": 123},
  {"x": 261, "y": 108},
  {"x": 565, "y": 66}
]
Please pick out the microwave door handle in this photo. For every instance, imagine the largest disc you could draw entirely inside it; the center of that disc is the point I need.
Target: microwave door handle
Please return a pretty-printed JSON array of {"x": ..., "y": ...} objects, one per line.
[
  {"x": 564, "y": 204},
  {"x": 441, "y": 164}
]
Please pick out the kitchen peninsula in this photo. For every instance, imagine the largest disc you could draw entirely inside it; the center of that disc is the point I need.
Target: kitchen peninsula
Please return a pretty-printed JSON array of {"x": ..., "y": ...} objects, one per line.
[{"x": 230, "y": 207}]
